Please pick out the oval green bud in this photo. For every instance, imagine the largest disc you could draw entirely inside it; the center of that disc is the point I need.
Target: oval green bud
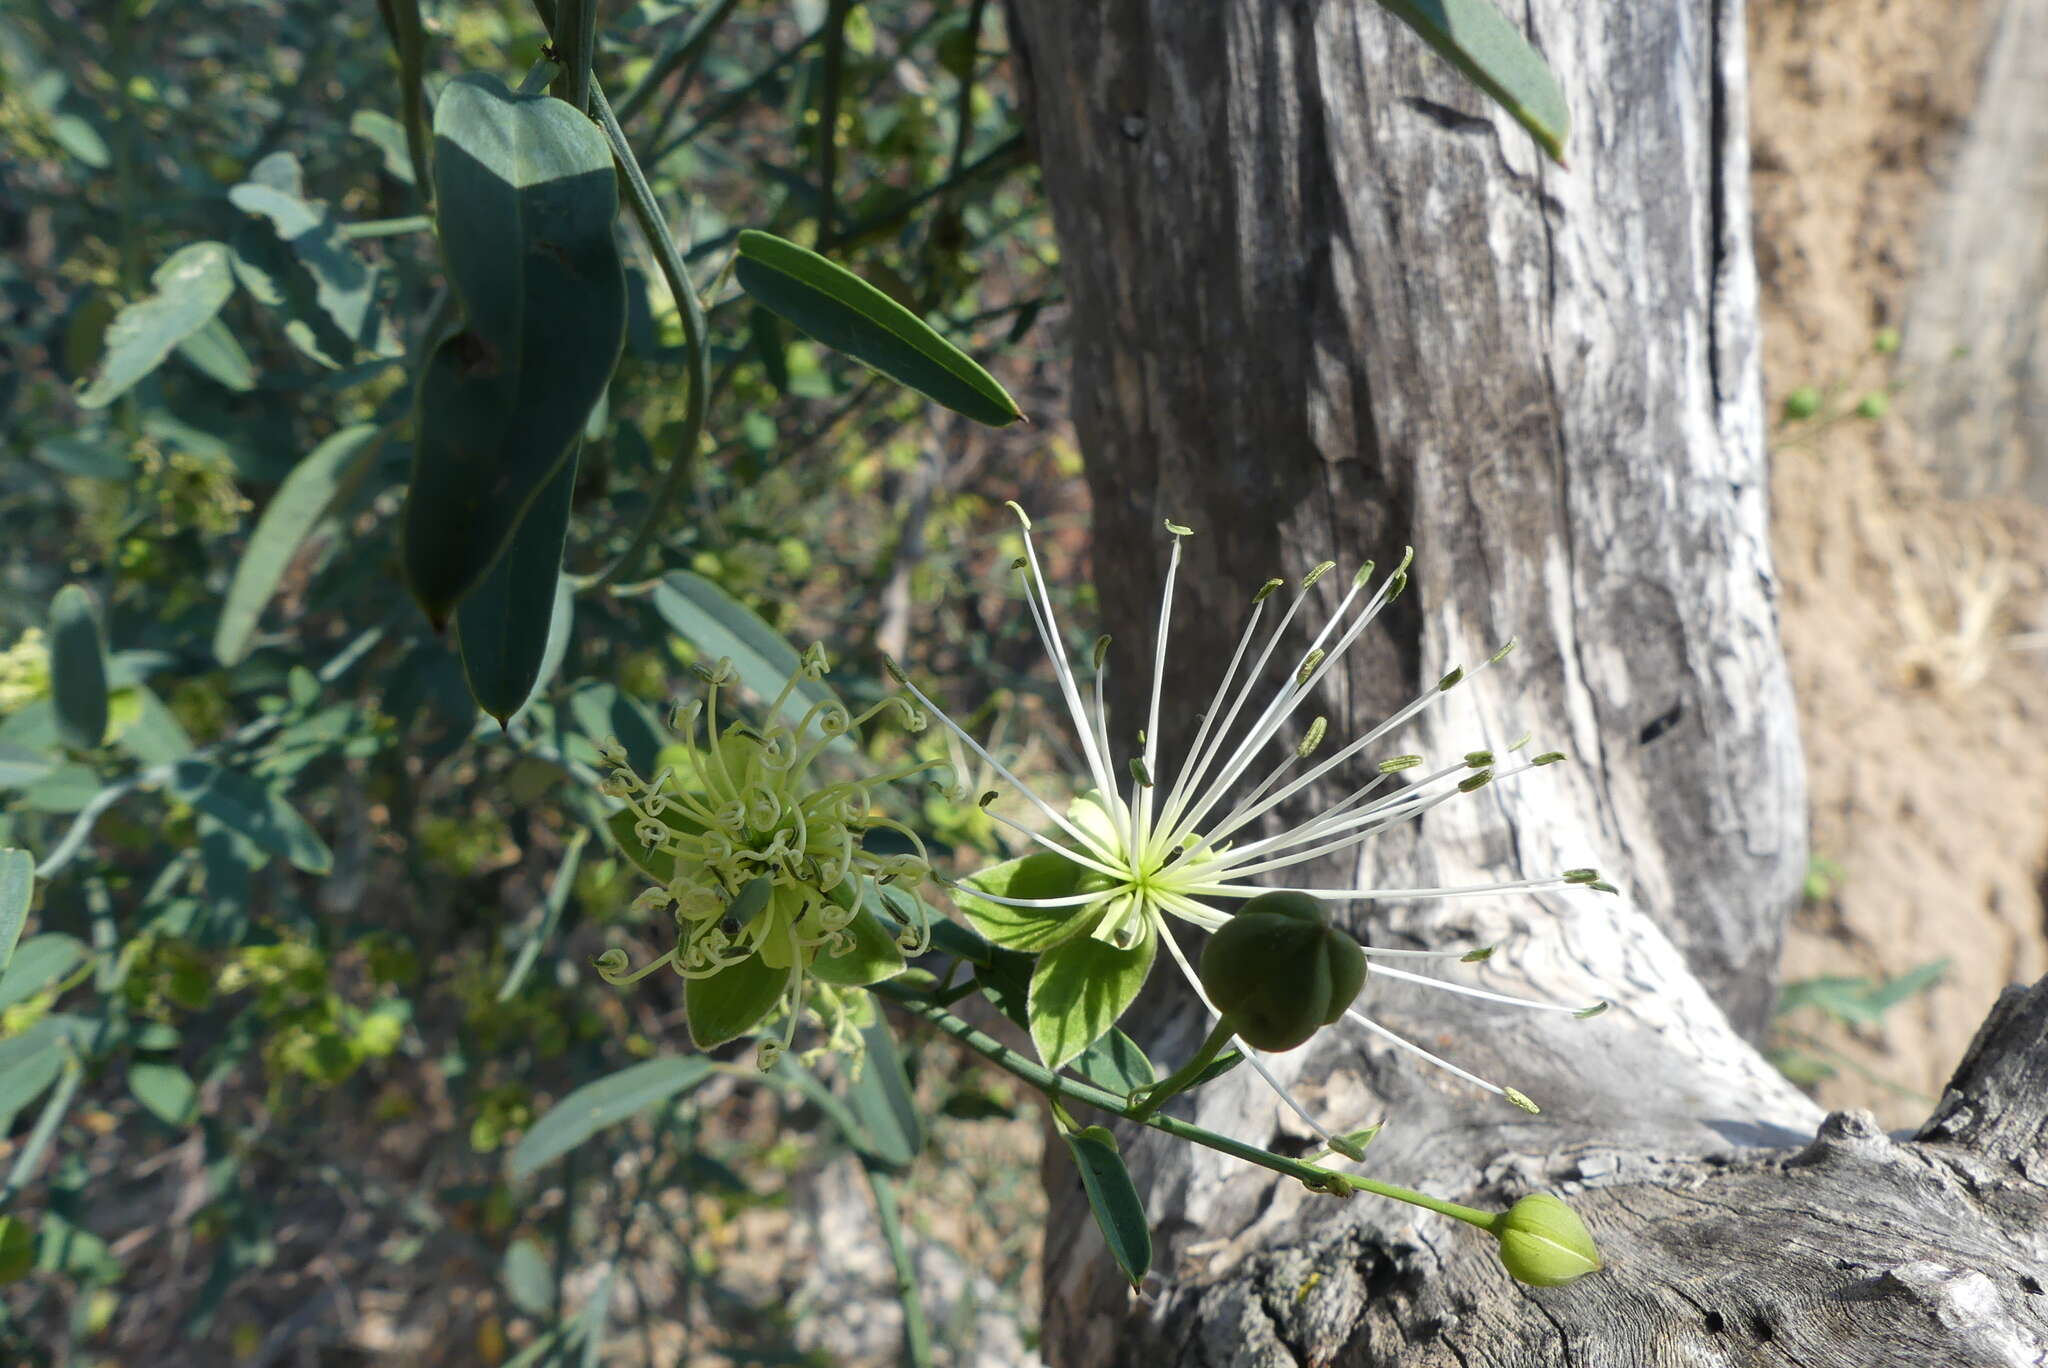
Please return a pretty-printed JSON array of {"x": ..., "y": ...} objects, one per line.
[
  {"x": 1544, "y": 1243},
  {"x": 1280, "y": 972},
  {"x": 1802, "y": 403}
]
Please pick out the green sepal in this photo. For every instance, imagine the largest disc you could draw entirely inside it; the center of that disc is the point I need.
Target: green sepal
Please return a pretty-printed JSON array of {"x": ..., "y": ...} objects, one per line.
[{"x": 732, "y": 1001}]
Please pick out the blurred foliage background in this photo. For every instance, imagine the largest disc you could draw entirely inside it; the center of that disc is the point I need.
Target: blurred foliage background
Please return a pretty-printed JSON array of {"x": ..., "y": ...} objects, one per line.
[{"x": 311, "y": 947}]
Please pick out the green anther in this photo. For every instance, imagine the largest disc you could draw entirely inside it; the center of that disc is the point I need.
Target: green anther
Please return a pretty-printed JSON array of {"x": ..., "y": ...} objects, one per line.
[
  {"x": 1579, "y": 876},
  {"x": 1019, "y": 564},
  {"x": 1602, "y": 886},
  {"x": 1399, "y": 763},
  {"x": 1478, "y": 759},
  {"x": 1588, "y": 1013},
  {"x": 1521, "y": 741},
  {"x": 1364, "y": 573},
  {"x": 1450, "y": 681},
  {"x": 895, "y": 670},
  {"x": 1397, "y": 585},
  {"x": 612, "y": 961},
  {"x": 1407, "y": 559},
  {"x": 1140, "y": 773},
  {"x": 751, "y": 900},
  {"x": 1479, "y": 956},
  {"x": 1476, "y": 781},
  {"x": 1101, "y": 651},
  {"x": 1268, "y": 587},
  {"x": 1548, "y": 758},
  {"x": 1507, "y": 648},
  {"x": 1308, "y": 667},
  {"x": 1521, "y": 1100},
  {"x": 987, "y": 798},
  {"x": 1313, "y": 739},
  {"x": 1022, "y": 516},
  {"x": 1178, "y": 530},
  {"x": 1321, "y": 570}
]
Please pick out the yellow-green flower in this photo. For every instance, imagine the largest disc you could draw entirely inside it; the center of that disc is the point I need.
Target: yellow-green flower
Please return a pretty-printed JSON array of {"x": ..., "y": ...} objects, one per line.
[
  {"x": 762, "y": 860},
  {"x": 1177, "y": 839}
]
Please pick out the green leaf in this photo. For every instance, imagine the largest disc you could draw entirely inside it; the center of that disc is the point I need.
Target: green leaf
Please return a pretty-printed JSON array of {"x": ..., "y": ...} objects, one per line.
[
  {"x": 78, "y": 669},
  {"x": 37, "y": 963},
  {"x": 190, "y": 288},
  {"x": 1113, "y": 1197},
  {"x": 880, "y": 1100},
  {"x": 657, "y": 865},
  {"x": 17, "y": 891},
  {"x": 387, "y": 135},
  {"x": 732, "y": 1001},
  {"x": 1479, "y": 41},
  {"x": 504, "y": 627},
  {"x": 608, "y": 1101},
  {"x": 528, "y": 1278},
  {"x": 274, "y": 277},
  {"x": 1080, "y": 989},
  {"x": 344, "y": 284},
  {"x": 21, "y": 766},
  {"x": 873, "y": 956},
  {"x": 154, "y": 735},
  {"x": 846, "y": 313},
  {"x": 301, "y": 502},
  {"x": 216, "y": 352},
  {"x": 251, "y": 810},
  {"x": 718, "y": 624},
  {"x": 17, "y": 1249},
  {"x": 525, "y": 197},
  {"x": 1115, "y": 1063},
  {"x": 29, "y": 1064},
  {"x": 1030, "y": 929},
  {"x": 166, "y": 1091}
]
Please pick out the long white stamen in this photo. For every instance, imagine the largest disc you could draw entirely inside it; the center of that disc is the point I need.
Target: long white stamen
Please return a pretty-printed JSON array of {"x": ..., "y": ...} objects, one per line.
[
  {"x": 1055, "y": 847},
  {"x": 1055, "y": 649},
  {"x": 1177, "y": 794},
  {"x": 1447, "y": 986},
  {"x": 1070, "y": 900},
  {"x": 1362, "y": 1019},
  {"x": 1080, "y": 836}
]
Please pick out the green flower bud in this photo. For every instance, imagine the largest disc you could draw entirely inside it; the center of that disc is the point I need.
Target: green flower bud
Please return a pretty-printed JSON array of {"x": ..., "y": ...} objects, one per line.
[
  {"x": 1543, "y": 1242},
  {"x": 1280, "y": 972},
  {"x": 1874, "y": 405}
]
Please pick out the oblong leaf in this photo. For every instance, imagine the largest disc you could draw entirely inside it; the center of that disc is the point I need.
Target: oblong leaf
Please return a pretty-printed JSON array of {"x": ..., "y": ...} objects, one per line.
[
  {"x": 1113, "y": 1197},
  {"x": 166, "y": 1091},
  {"x": 301, "y": 502},
  {"x": 252, "y": 810},
  {"x": 504, "y": 627},
  {"x": 78, "y": 669},
  {"x": 880, "y": 1100},
  {"x": 1080, "y": 989},
  {"x": 38, "y": 963},
  {"x": 872, "y": 956},
  {"x": 718, "y": 624},
  {"x": 525, "y": 197},
  {"x": 1116, "y": 1064},
  {"x": 608, "y": 1101},
  {"x": 216, "y": 351},
  {"x": 190, "y": 287},
  {"x": 17, "y": 890},
  {"x": 844, "y": 312},
  {"x": 1479, "y": 41}
]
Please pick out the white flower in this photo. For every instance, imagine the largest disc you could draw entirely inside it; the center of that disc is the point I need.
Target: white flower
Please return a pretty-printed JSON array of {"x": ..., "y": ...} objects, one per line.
[{"x": 1176, "y": 836}]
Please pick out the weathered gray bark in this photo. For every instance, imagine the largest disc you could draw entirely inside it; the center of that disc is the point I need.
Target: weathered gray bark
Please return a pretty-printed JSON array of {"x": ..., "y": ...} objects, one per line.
[
  {"x": 1976, "y": 336},
  {"x": 1325, "y": 303}
]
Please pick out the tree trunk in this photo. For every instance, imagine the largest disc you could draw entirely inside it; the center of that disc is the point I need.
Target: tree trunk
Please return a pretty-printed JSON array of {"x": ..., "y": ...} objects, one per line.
[{"x": 1327, "y": 303}]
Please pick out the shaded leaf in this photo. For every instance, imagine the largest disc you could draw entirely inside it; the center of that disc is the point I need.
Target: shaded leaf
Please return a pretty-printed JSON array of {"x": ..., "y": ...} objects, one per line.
[
  {"x": 189, "y": 290},
  {"x": 528, "y": 1277},
  {"x": 78, "y": 669},
  {"x": 610, "y": 1100},
  {"x": 880, "y": 1100},
  {"x": 1115, "y": 1063},
  {"x": 216, "y": 352},
  {"x": 504, "y": 626},
  {"x": 387, "y": 135},
  {"x": 344, "y": 284},
  {"x": 1113, "y": 1197},
  {"x": 37, "y": 963},
  {"x": 844, "y": 312},
  {"x": 251, "y": 810},
  {"x": 873, "y": 956},
  {"x": 301, "y": 502},
  {"x": 525, "y": 197}
]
